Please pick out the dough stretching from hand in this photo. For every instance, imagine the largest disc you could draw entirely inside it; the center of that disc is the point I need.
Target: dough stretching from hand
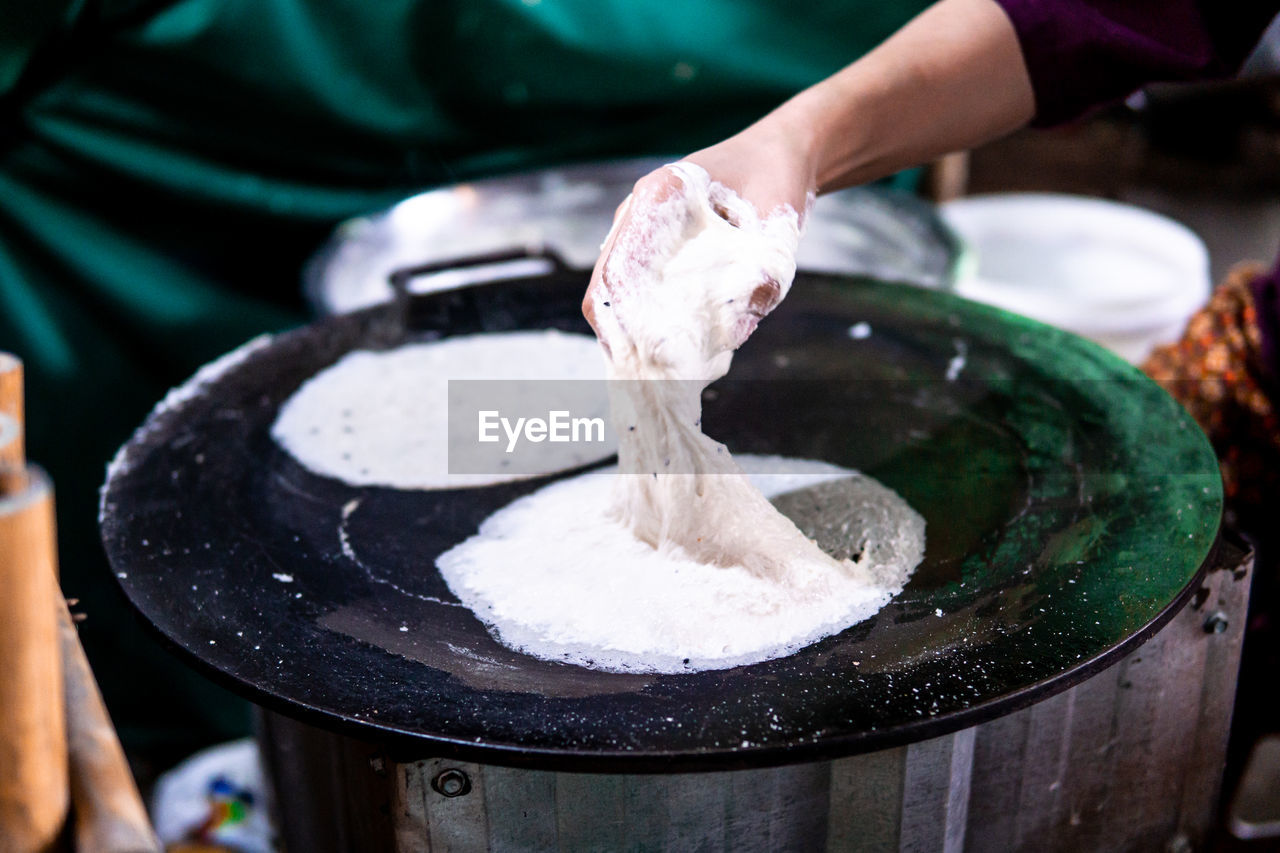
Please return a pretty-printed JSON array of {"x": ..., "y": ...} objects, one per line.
[
  {"x": 677, "y": 307},
  {"x": 677, "y": 562}
]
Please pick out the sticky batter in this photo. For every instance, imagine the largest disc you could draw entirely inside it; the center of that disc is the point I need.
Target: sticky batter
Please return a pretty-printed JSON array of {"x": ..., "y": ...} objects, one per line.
[{"x": 557, "y": 576}]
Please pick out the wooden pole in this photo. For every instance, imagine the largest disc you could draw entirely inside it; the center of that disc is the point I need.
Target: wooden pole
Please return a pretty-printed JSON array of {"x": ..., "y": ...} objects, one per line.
[
  {"x": 109, "y": 814},
  {"x": 13, "y": 460},
  {"x": 947, "y": 178},
  {"x": 57, "y": 744},
  {"x": 33, "y": 746}
]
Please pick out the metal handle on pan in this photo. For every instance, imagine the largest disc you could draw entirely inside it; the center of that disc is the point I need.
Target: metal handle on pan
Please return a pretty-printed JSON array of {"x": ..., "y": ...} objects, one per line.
[
  {"x": 408, "y": 312},
  {"x": 400, "y": 278}
]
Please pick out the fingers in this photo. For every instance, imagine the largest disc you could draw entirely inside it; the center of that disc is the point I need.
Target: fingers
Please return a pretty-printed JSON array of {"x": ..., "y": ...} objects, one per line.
[
  {"x": 598, "y": 285},
  {"x": 726, "y": 214},
  {"x": 659, "y": 185},
  {"x": 628, "y": 249},
  {"x": 589, "y": 300},
  {"x": 766, "y": 296},
  {"x": 649, "y": 229}
]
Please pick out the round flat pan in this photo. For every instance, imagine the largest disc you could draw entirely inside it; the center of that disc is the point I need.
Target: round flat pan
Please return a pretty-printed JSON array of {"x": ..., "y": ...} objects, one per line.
[{"x": 1071, "y": 505}]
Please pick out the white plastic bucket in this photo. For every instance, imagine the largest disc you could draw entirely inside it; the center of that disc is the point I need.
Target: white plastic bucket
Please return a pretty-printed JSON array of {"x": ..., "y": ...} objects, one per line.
[{"x": 1117, "y": 274}]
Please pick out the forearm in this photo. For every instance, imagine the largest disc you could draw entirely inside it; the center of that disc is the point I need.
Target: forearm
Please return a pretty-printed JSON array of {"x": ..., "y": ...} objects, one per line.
[{"x": 951, "y": 79}]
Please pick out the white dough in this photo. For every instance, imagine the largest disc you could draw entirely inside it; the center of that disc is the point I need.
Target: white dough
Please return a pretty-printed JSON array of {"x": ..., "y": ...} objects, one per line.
[
  {"x": 678, "y": 561},
  {"x": 671, "y": 321},
  {"x": 382, "y": 417},
  {"x": 555, "y": 577}
]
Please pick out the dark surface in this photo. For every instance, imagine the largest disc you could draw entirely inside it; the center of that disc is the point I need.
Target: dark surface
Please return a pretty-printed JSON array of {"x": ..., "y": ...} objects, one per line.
[{"x": 1070, "y": 504}]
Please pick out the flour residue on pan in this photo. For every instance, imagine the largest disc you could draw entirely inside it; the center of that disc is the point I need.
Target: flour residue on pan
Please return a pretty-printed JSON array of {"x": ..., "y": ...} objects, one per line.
[
  {"x": 177, "y": 397},
  {"x": 554, "y": 576},
  {"x": 381, "y": 418}
]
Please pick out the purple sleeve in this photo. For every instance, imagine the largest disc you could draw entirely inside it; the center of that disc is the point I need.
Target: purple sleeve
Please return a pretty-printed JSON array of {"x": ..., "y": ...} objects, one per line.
[
  {"x": 1083, "y": 53},
  {"x": 1266, "y": 303}
]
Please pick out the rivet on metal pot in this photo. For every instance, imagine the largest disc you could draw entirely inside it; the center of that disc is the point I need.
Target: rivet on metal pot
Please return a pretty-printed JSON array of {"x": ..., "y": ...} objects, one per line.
[
  {"x": 1216, "y": 622},
  {"x": 451, "y": 783}
]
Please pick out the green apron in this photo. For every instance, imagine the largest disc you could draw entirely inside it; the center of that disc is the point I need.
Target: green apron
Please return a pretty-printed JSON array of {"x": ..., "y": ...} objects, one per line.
[{"x": 166, "y": 168}]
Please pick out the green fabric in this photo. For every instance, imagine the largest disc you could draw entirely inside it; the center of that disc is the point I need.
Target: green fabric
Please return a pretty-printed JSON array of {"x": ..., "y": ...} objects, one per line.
[
  {"x": 166, "y": 168},
  {"x": 24, "y": 26}
]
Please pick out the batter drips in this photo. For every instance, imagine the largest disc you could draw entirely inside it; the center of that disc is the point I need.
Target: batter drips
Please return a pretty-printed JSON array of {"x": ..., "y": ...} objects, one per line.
[{"x": 670, "y": 323}]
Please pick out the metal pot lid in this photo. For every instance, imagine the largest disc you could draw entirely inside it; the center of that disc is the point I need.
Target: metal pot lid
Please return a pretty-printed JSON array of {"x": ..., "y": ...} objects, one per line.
[
  {"x": 880, "y": 233},
  {"x": 1071, "y": 506}
]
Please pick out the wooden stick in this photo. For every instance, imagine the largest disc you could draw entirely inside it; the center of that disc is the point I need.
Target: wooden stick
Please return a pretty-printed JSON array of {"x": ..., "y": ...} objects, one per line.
[
  {"x": 13, "y": 459},
  {"x": 33, "y": 745},
  {"x": 947, "y": 178},
  {"x": 56, "y": 740},
  {"x": 109, "y": 814}
]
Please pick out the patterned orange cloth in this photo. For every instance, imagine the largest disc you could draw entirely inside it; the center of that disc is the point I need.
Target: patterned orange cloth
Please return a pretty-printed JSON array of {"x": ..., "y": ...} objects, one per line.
[{"x": 1218, "y": 373}]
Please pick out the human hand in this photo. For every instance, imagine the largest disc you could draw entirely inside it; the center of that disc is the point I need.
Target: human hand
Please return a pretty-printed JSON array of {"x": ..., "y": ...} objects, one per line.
[{"x": 757, "y": 193}]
